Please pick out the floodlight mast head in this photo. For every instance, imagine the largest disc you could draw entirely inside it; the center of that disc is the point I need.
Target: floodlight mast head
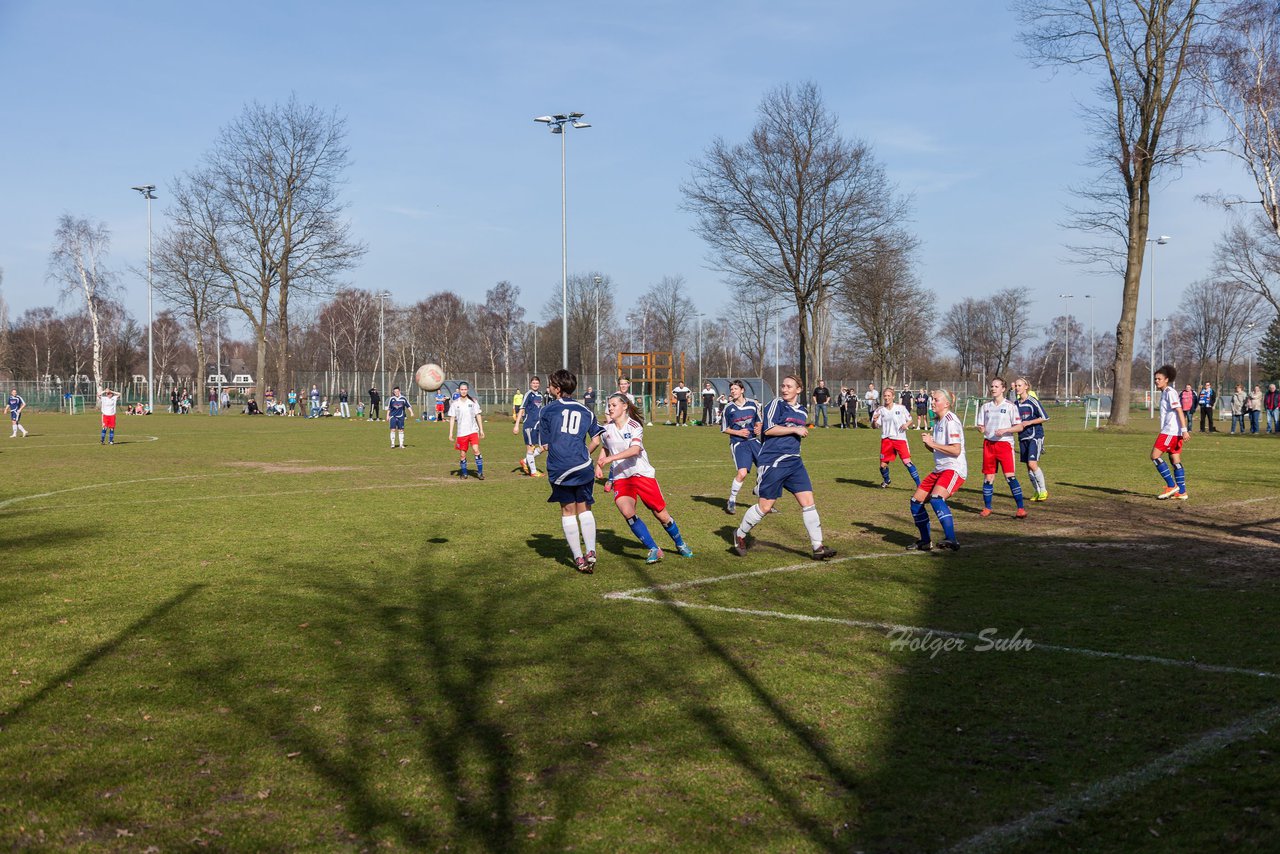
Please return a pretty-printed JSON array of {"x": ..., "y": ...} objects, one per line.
[
  {"x": 543, "y": 119},
  {"x": 582, "y": 124},
  {"x": 148, "y": 190}
]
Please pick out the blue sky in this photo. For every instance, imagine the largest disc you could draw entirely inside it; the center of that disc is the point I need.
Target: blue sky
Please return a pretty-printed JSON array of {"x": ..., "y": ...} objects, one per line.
[{"x": 455, "y": 187}]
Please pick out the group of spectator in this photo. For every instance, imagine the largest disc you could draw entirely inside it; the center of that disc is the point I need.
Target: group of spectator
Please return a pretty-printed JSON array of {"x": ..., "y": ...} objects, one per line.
[
  {"x": 848, "y": 401},
  {"x": 1244, "y": 404}
]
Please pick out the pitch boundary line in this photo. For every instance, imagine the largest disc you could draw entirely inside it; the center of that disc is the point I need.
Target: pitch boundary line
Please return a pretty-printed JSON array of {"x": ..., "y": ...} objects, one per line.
[
  {"x": 18, "y": 499},
  {"x": 38, "y": 446}
]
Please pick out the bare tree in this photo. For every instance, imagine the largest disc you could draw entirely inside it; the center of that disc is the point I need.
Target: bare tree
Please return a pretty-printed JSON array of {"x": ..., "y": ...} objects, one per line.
[
  {"x": 668, "y": 316},
  {"x": 78, "y": 262},
  {"x": 501, "y": 319},
  {"x": 443, "y": 321},
  {"x": 751, "y": 315},
  {"x": 793, "y": 207},
  {"x": 1141, "y": 123},
  {"x": 187, "y": 279},
  {"x": 1215, "y": 314},
  {"x": 583, "y": 294},
  {"x": 964, "y": 327},
  {"x": 887, "y": 309},
  {"x": 265, "y": 205}
]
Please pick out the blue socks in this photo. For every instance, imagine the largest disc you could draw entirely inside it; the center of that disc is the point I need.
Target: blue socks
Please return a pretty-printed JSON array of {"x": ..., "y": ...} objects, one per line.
[
  {"x": 480, "y": 467},
  {"x": 921, "y": 517},
  {"x": 884, "y": 473},
  {"x": 674, "y": 533},
  {"x": 988, "y": 490},
  {"x": 1016, "y": 489},
  {"x": 1181, "y": 477},
  {"x": 642, "y": 532},
  {"x": 462, "y": 464},
  {"x": 1163, "y": 468},
  {"x": 911, "y": 470},
  {"x": 943, "y": 512}
]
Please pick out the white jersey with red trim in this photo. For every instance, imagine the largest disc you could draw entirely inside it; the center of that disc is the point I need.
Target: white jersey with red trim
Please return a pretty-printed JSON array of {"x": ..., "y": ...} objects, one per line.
[
  {"x": 993, "y": 417},
  {"x": 1170, "y": 406},
  {"x": 465, "y": 413},
  {"x": 949, "y": 430},
  {"x": 893, "y": 421},
  {"x": 108, "y": 403},
  {"x": 617, "y": 439}
]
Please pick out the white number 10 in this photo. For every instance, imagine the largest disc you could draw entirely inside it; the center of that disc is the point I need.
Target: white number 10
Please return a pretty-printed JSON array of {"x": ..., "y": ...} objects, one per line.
[{"x": 570, "y": 421}]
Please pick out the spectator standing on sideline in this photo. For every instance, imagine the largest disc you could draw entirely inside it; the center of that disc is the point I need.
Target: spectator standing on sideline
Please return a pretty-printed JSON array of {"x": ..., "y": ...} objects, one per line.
[
  {"x": 1208, "y": 407},
  {"x": 226, "y": 399},
  {"x": 842, "y": 401},
  {"x": 516, "y": 400},
  {"x": 872, "y": 400},
  {"x": 1272, "y": 403},
  {"x": 1254, "y": 407},
  {"x": 708, "y": 403},
  {"x": 314, "y": 395},
  {"x": 173, "y": 401},
  {"x": 343, "y": 400},
  {"x": 293, "y": 402},
  {"x": 213, "y": 401},
  {"x": 1238, "y": 401},
  {"x": 589, "y": 399},
  {"x": 821, "y": 395},
  {"x": 682, "y": 392},
  {"x": 375, "y": 401},
  {"x": 270, "y": 399},
  {"x": 1188, "y": 400},
  {"x": 442, "y": 400},
  {"x": 922, "y": 409}
]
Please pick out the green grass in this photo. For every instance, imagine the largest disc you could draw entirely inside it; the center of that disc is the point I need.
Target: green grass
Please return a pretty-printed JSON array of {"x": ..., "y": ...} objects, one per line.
[{"x": 261, "y": 634}]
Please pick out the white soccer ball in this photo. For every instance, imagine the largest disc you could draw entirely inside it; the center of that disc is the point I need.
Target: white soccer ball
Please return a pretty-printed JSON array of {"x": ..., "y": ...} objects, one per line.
[{"x": 429, "y": 377}]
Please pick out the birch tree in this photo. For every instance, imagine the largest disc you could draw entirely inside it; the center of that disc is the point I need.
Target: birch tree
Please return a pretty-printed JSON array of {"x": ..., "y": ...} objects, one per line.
[{"x": 78, "y": 264}]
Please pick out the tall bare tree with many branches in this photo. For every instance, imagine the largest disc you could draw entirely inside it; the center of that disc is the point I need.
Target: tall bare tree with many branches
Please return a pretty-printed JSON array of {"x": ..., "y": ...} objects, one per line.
[{"x": 78, "y": 263}]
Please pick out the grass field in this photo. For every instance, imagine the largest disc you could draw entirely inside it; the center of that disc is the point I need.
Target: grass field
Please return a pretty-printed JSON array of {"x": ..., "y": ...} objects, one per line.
[{"x": 272, "y": 634}]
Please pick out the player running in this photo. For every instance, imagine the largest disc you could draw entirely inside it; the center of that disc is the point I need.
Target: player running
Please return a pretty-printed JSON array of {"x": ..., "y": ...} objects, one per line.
[
  {"x": 464, "y": 415},
  {"x": 397, "y": 406},
  {"x": 529, "y": 412},
  {"x": 16, "y": 405},
  {"x": 1031, "y": 438},
  {"x": 741, "y": 421},
  {"x": 107, "y": 400},
  {"x": 779, "y": 467},
  {"x": 999, "y": 421},
  {"x": 1173, "y": 434},
  {"x": 893, "y": 419},
  {"x": 949, "y": 471},
  {"x": 565, "y": 427},
  {"x": 633, "y": 476}
]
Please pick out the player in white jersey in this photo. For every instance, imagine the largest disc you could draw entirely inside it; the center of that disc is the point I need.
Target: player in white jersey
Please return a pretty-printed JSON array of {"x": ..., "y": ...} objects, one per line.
[
  {"x": 1173, "y": 434},
  {"x": 624, "y": 458},
  {"x": 466, "y": 423},
  {"x": 16, "y": 405},
  {"x": 107, "y": 400},
  {"x": 893, "y": 418},
  {"x": 950, "y": 469},
  {"x": 1000, "y": 423}
]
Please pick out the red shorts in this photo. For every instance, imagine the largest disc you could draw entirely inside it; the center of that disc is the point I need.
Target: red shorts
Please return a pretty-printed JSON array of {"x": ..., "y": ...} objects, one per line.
[
  {"x": 997, "y": 452},
  {"x": 1167, "y": 444},
  {"x": 471, "y": 440},
  {"x": 890, "y": 448},
  {"x": 439, "y": 407},
  {"x": 947, "y": 479},
  {"x": 109, "y": 421},
  {"x": 644, "y": 489}
]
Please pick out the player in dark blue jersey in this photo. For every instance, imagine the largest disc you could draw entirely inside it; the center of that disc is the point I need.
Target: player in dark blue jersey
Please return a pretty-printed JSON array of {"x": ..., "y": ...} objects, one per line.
[
  {"x": 779, "y": 467},
  {"x": 569, "y": 432},
  {"x": 741, "y": 420},
  {"x": 1031, "y": 439},
  {"x": 397, "y": 406},
  {"x": 15, "y": 406},
  {"x": 530, "y": 412}
]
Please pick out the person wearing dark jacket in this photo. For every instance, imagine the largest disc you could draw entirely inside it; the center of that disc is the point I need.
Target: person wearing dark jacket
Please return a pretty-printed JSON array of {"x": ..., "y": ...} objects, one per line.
[
  {"x": 375, "y": 400},
  {"x": 1272, "y": 404},
  {"x": 1208, "y": 399}
]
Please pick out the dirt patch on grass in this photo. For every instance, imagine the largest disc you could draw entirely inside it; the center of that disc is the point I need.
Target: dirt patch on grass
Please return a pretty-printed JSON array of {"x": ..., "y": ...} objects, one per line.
[{"x": 289, "y": 467}]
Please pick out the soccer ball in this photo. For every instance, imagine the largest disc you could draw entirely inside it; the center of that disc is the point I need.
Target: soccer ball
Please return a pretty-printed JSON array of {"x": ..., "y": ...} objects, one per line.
[{"x": 429, "y": 377}]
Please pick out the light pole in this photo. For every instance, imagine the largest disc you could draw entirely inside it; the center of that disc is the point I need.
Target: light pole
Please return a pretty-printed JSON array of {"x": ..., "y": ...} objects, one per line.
[
  {"x": 218, "y": 320},
  {"x": 1066, "y": 343},
  {"x": 1159, "y": 241},
  {"x": 599, "y": 281},
  {"x": 148, "y": 192},
  {"x": 1093, "y": 384},
  {"x": 556, "y": 124},
  {"x": 699, "y": 352},
  {"x": 777, "y": 350},
  {"x": 533, "y": 327},
  {"x": 1248, "y": 343},
  {"x": 382, "y": 297}
]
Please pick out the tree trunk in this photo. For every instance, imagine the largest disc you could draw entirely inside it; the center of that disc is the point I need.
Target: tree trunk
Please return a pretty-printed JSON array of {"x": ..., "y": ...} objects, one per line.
[
  {"x": 200, "y": 398},
  {"x": 1122, "y": 390}
]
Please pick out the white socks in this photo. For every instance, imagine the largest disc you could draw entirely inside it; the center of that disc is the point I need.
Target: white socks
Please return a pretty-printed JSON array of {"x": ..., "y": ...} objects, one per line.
[
  {"x": 588, "y": 522},
  {"x": 529, "y": 461},
  {"x": 733, "y": 490},
  {"x": 570, "y": 525},
  {"x": 750, "y": 519},
  {"x": 813, "y": 525}
]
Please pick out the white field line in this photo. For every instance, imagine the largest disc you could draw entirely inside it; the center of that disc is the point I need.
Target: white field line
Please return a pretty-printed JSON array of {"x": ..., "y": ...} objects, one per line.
[
  {"x": 1106, "y": 791},
  {"x": 234, "y": 496},
  {"x": 40, "y": 446},
  {"x": 20, "y": 498}
]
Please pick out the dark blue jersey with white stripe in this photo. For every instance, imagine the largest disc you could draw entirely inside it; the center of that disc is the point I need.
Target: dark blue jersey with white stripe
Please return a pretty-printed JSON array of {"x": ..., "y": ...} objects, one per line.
[
  {"x": 780, "y": 413},
  {"x": 743, "y": 416},
  {"x": 564, "y": 427},
  {"x": 531, "y": 406},
  {"x": 15, "y": 403},
  {"x": 1027, "y": 410},
  {"x": 396, "y": 405}
]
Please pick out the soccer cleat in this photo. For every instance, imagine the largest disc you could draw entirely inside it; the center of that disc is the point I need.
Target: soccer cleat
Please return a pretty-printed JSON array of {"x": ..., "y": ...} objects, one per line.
[
  {"x": 524, "y": 466},
  {"x": 731, "y": 507},
  {"x": 580, "y": 564},
  {"x": 1167, "y": 494},
  {"x": 1042, "y": 496},
  {"x": 462, "y": 474},
  {"x": 654, "y": 556},
  {"x": 986, "y": 511},
  {"x": 1021, "y": 514},
  {"x": 920, "y": 546},
  {"x": 102, "y": 441},
  {"x": 685, "y": 551},
  {"x": 949, "y": 545},
  {"x": 1182, "y": 496},
  {"x": 884, "y": 485},
  {"x": 539, "y": 474},
  {"x": 739, "y": 544},
  {"x": 824, "y": 552},
  {"x": 591, "y": 559},
  {"x": 479, "y": 476},
  {"x": 111, "y": 442}
]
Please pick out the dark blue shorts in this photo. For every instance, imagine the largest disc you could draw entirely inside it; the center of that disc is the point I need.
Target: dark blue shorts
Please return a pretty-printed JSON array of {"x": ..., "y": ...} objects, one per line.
[
  {"x": 744, "y": 454},
  {"x": 789, "y": 475},
  {"x": 396, "y": 422},
  {"x": 572, "y": 494},
  {"x": 531, "y": 436},
  {"x": 1029, "y": 450}
]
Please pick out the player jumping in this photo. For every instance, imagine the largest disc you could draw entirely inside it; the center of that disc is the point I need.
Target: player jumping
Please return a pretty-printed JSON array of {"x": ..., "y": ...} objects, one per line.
[{"x": 633, "y": 476}]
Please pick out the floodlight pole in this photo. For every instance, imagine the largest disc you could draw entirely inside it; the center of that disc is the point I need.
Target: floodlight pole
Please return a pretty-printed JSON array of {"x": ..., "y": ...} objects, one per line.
[
  {"x": 1066, "y": 344},
  {"x": 598, "y": 282},
  {"x": 556, "y": 124},
  {"x": 699, "y": 352},
  {"x": 148, "y": 192},
  {"x": 382, "y": 338},
  {"x": 1093, "y": 389},
  {"x": 1249, "y": 388},
  {"x": 1158, "y": 241}
]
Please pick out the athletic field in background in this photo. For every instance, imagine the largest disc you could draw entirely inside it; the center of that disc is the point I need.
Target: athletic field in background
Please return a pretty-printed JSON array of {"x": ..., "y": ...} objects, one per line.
[{"x": 276, "y": 633}]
